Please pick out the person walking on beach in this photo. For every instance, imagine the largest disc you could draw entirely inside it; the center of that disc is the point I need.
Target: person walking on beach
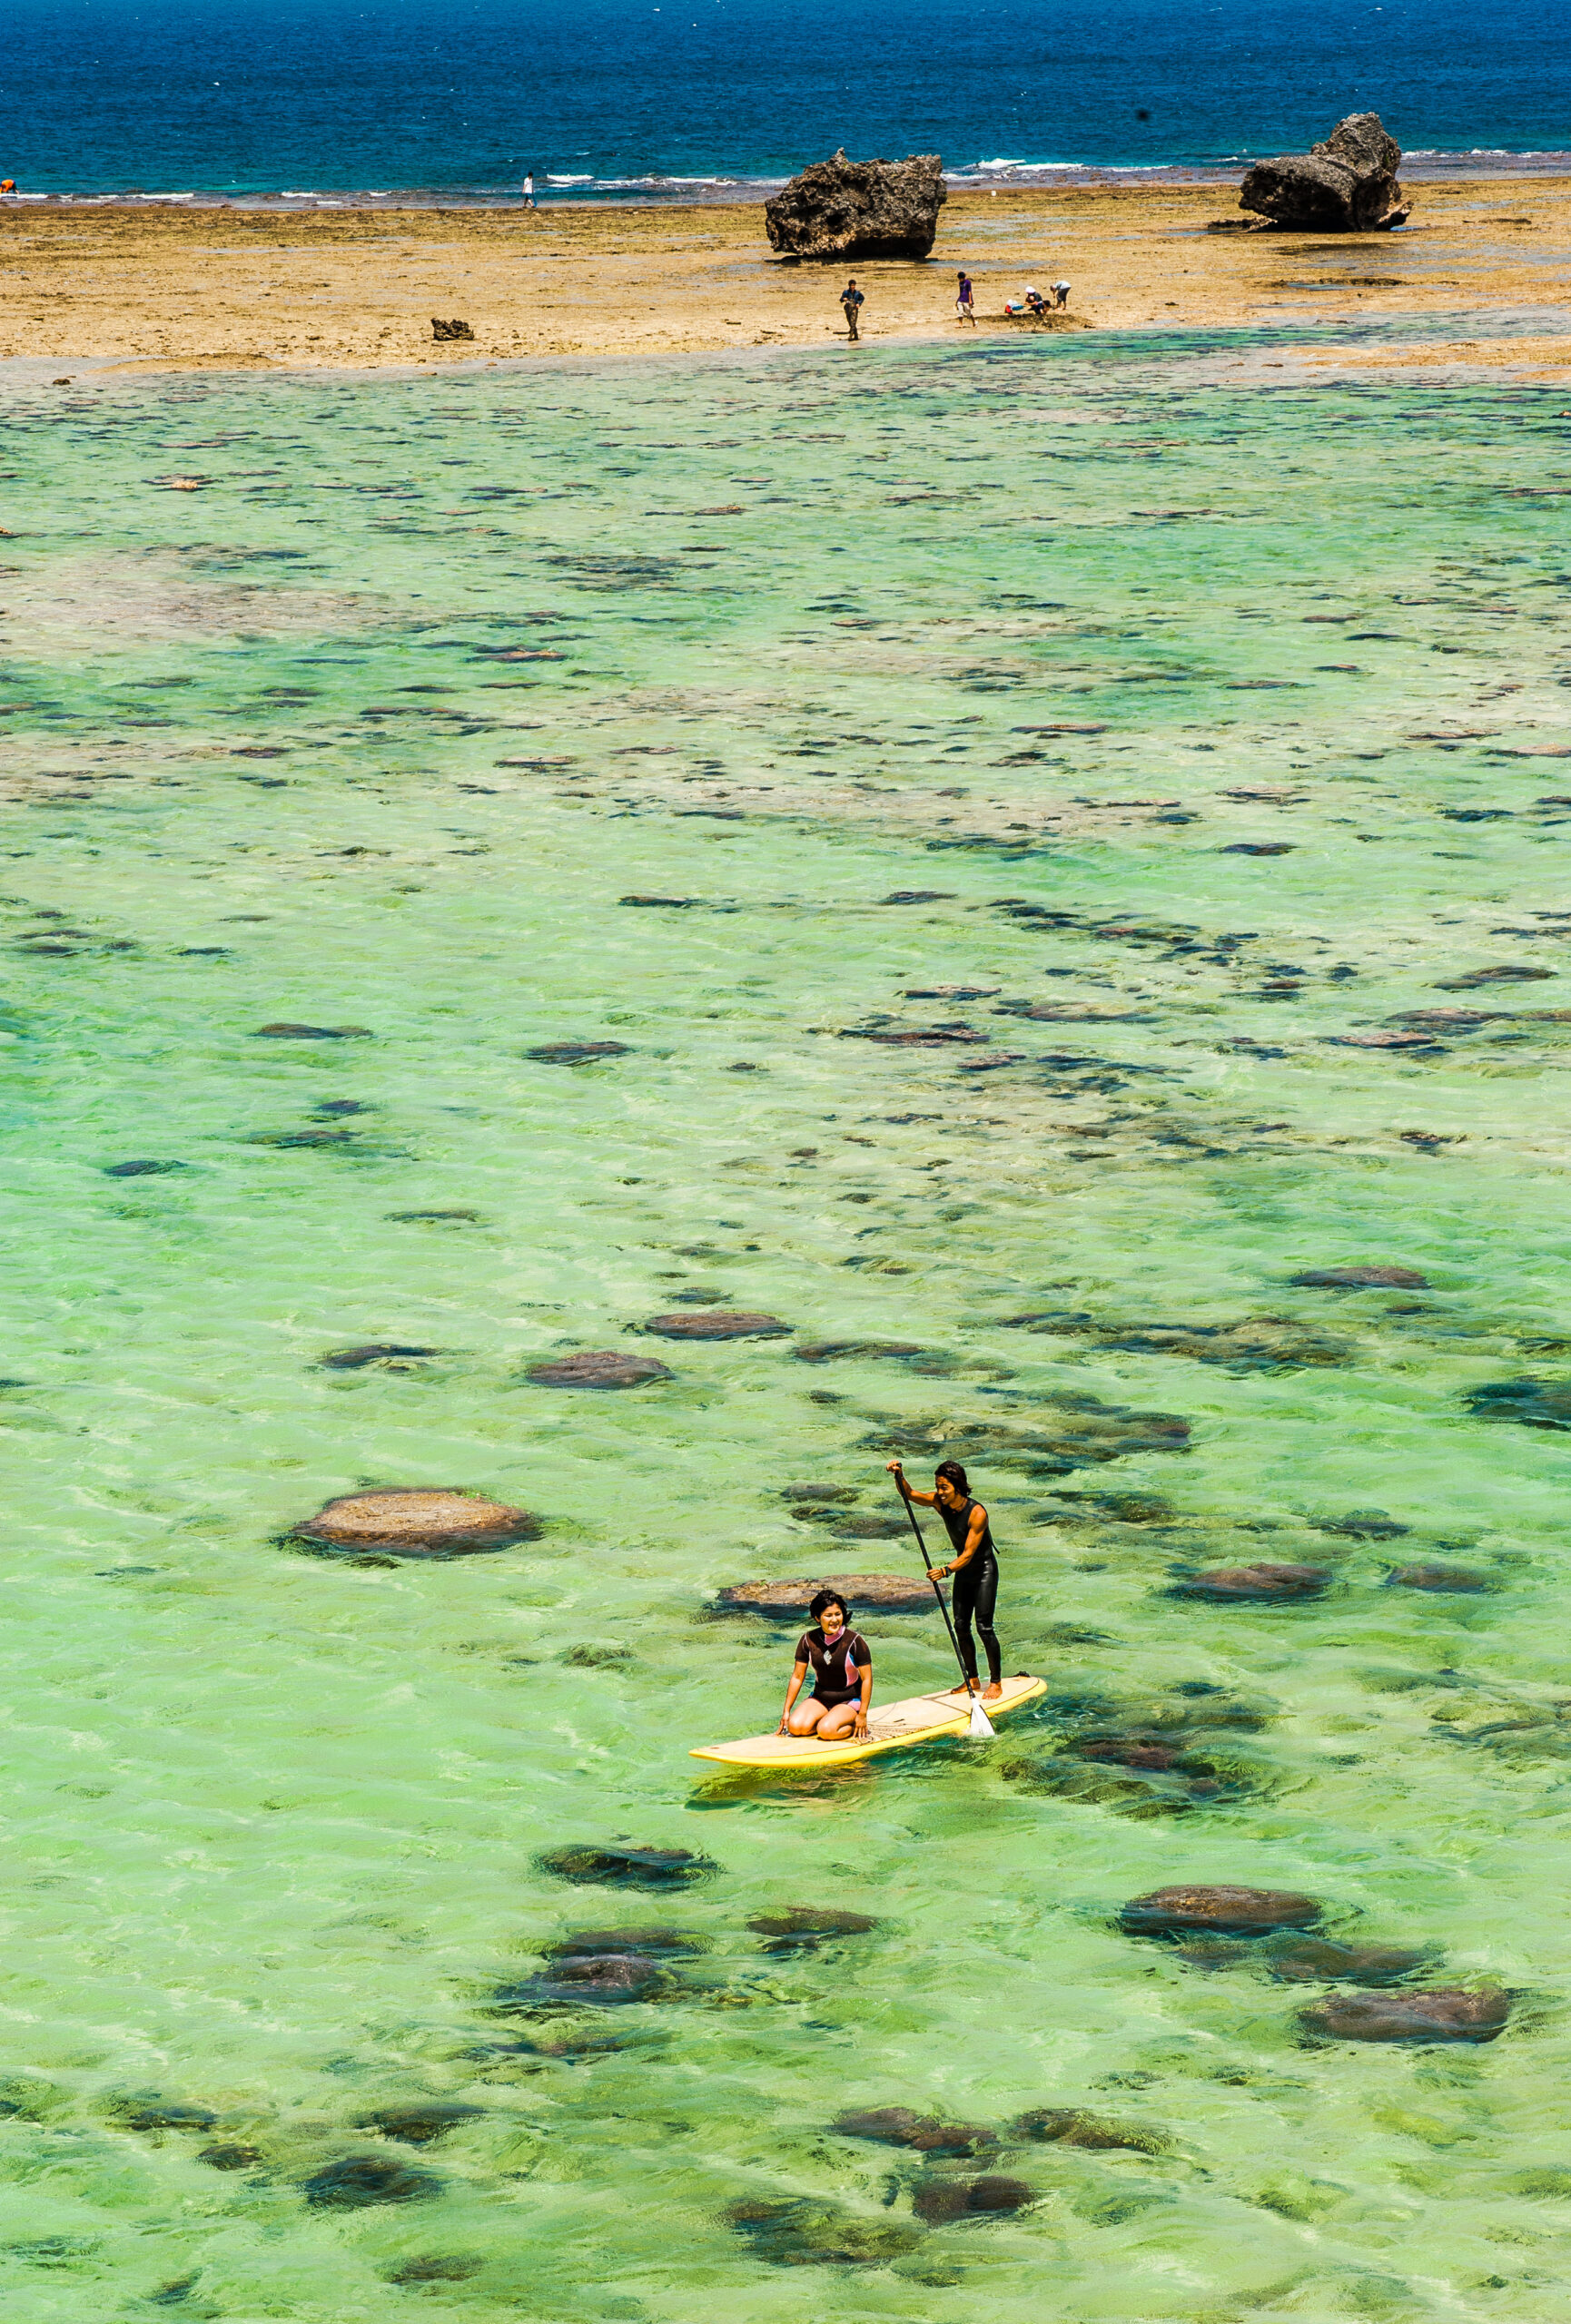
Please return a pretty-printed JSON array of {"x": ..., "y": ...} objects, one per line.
[
  {"x": 1060, "y": 293},
  {"x": 852, "y": 300},
  {"x": 529, "y": 203},
  {"x": 975, "y": 1569},
  {"x": 965, "y": 300}
]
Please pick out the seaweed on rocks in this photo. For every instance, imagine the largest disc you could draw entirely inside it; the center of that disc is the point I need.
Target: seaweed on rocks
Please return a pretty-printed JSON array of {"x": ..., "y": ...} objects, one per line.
[
  {"x": 597, "y": 1368},
  {"x": 1262, "y": 1583},
  {"x": 807, "y": 1928},
  {"x": 1073, "y": 2126},
  {"x": 718, "y": 1324}
]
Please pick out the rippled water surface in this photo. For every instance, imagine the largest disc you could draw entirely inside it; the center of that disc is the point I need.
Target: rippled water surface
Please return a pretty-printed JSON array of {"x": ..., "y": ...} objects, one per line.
[{"x": 729, "y": 712}]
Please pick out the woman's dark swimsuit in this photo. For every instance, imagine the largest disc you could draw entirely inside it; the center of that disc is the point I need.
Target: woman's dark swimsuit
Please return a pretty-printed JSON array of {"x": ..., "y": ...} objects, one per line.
[
  {"x": 834, "y": 1679},
  {"x": 975, "y": 1592}
]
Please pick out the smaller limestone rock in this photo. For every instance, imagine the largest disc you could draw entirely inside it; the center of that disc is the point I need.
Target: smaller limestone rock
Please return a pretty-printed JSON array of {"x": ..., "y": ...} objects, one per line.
[
  {"x": 902, "y": 2126},
  {"x": 231, "y": 2154},
  {"x": 588, "y": 1980},
  {"x": 142, "y": 1169},
  {"x": 842, "y": 209},
  {"x": 718, "y": 1324},
  {"x": 161, "y": 2114},
  {"x": 414, "y": 1522},
  {"x": 1227, "y": 1911},
  {"x": 1361, "y": 1279},
  {"x": 452, "y": 327},
  {"x": 1432, "y": 2014},
  {"x": 1347, "y": 184},
  {"x": 604, "y": 1367}
]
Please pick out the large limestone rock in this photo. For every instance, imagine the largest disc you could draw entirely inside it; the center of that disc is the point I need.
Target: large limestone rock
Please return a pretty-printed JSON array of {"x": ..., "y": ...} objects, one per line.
[
  {"x": 841, "y": 209},
  {"x": 1344, "y": 184}
]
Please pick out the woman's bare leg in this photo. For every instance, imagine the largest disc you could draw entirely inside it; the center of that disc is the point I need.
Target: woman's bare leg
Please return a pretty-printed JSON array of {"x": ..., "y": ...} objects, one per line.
[
  {"x": 804, "y": 1716},
  {"x": 836, "y": 1723}
]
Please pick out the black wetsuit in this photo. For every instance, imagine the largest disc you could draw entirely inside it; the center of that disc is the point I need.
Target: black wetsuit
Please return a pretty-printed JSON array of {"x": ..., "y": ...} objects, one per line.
[
  {"x": 975, "y": 1591},
  {"x": 835, "y": 1667}
]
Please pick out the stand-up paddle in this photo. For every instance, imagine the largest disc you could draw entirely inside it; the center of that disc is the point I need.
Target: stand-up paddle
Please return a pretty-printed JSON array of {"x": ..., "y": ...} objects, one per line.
[{"x": 980, "y": 1723}]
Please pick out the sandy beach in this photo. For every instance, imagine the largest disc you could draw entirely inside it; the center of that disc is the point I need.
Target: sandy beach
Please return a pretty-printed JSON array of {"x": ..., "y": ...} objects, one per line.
[{"x": 136, "y": 290}]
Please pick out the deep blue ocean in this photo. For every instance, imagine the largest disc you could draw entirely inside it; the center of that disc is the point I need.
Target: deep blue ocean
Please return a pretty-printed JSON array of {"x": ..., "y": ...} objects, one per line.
[{"x": 324, "y": 96}]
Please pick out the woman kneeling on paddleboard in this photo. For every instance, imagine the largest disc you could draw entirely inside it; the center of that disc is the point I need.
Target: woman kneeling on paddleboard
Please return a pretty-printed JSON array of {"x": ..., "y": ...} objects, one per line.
[
  {"x": 975, "y": 1570},
  {"x": 842, "y": 1666}
]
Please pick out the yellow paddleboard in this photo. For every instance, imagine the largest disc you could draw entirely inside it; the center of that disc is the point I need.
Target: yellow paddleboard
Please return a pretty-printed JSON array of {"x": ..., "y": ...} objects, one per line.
[{"x": 892, "y": 1727}]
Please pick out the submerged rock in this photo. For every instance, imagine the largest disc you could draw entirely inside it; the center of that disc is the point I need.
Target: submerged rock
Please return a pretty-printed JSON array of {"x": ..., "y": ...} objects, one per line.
[
  {"x": 1433, "y": 2015},
  {"x": 1462, "y": 1579},
  {"x": 392, "y": 1353},
  {"x": 800, "y": 2232},
  {"x": 659, "y": 1941},
  {"x": 820, "y": 1492},
  {"x": 360, "y": 2180},
  {"x": 625, "y": 1867},
  {"x": 1262, "y": 1584},
  {"x": 1318, "y": 1960},
  {"x": 881, "y": 1593},
  {"x": 840, "y": 1351},
  {"x": 718, "y": 1324},
  {"x": 581, "y": 1980},
  {"x": 1253, "y": 1343},
  {"x": 604, "y": 1367},
  {"x": 841, "y": 209},
  {"x": 1072, "y": 2126},
  {"x": 142, "y": 1169},
  {"x": 1074, "y": 1430},
  {"x": 1362, "y": 1525},
  {"x": 1509, "y": 974},
  {"x": 1361, "y": 1279},
  {"x": 941, "y": 2200},
  {"x": 576, "y": 1052},
  {"x": 1534, "y": 1403},
  {"x": 418, "y": 2125},
  {"x": 805, "y": 1928},
  {"x": 414, "y": 1522},
  {"x": 437, "y": 2268},
  {"x": 163, "y": 2114},
  {"x": 1347, "y": 184},
  {"x": 868, "y": 1528},
  {"x": 231, "y": 2154},
  {"x": 1241, "y": 1912},
  {"x": 902, "y": 2126},
  {"x": 286, "y": 1032}
]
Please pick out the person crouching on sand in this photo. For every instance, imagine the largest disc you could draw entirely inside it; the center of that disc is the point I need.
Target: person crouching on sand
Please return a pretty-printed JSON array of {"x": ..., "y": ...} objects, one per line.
[{"x": 841, "y": 1666}]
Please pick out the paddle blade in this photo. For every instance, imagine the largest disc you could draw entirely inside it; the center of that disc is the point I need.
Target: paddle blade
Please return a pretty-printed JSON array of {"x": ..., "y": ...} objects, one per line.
[{"x": 980, "y": 1724}]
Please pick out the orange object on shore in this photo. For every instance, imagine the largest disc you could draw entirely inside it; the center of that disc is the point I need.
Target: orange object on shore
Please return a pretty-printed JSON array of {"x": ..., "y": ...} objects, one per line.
[{"x": 7, "y": 185}]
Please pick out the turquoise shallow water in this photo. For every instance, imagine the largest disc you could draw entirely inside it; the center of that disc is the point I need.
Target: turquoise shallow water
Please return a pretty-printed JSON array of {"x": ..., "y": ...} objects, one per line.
[{"x": 380, "y": 726}]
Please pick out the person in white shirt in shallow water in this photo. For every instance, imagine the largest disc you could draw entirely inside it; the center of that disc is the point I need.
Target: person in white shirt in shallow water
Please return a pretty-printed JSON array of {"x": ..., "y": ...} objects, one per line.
[{"x": 842, "y": 1664}]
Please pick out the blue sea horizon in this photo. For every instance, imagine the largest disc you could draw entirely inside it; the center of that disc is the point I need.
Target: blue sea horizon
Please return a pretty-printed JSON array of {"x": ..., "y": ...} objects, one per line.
[{"x": 623, "y": 97}]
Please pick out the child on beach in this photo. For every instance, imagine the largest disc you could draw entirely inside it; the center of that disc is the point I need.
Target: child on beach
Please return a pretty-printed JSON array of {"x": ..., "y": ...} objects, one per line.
[{"x": 964, "y": 301}]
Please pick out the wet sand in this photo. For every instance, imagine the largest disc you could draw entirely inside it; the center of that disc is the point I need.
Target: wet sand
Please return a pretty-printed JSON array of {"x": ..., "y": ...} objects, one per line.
[{"x": 135, "y": 290}]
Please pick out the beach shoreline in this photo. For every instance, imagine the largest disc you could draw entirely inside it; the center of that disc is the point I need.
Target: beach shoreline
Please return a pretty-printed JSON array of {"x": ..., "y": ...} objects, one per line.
[{"x": 131, "y": 288}]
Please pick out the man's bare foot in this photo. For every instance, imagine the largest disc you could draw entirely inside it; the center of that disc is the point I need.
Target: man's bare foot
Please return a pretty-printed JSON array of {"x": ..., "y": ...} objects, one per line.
[{"x": 992, "y": 1694}]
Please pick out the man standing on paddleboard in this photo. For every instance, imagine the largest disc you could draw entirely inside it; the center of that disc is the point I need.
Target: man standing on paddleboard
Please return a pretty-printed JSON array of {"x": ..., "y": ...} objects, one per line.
[{"x": 975, "y": 1569}]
